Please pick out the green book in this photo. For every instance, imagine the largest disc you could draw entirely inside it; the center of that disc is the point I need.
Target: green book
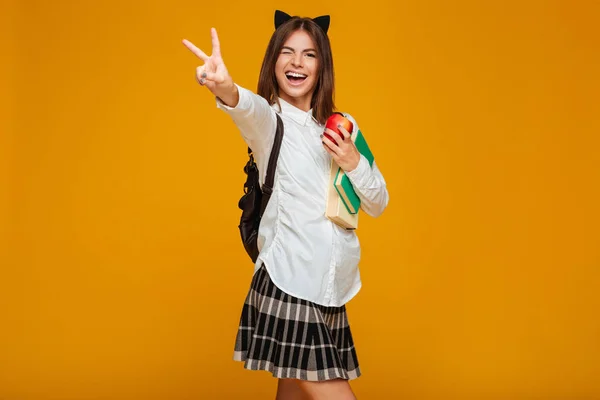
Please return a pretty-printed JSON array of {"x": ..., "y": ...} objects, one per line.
[{"x": 342, "y": 183}]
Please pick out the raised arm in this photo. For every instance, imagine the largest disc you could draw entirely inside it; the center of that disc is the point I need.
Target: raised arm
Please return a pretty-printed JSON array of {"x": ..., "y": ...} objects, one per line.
[{"x": 251, "y": 113}]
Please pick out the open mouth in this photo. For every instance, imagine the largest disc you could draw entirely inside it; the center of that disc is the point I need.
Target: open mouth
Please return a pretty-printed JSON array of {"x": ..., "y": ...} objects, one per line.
[{"x": 295, "y": 78}]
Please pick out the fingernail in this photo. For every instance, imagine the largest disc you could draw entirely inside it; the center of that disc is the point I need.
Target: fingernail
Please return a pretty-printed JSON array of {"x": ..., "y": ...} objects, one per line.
[
  {"x": 339, "y": 126},
  {"x": 204, "y": 74},
  {"x": 202, "y": 81},
  {"x": 321, "y": 135}
]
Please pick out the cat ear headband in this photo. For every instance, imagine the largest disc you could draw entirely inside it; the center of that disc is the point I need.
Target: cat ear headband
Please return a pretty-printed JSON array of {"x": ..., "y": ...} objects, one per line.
[{"x": 281, "y": 17}]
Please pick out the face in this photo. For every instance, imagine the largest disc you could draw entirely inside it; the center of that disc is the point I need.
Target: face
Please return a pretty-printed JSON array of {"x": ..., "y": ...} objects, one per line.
[{"x": 297, "y": 70}]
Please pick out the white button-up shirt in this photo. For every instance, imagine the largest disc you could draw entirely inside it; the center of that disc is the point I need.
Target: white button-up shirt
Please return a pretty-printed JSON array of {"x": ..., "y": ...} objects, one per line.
[{"x": 306, "y": 255}]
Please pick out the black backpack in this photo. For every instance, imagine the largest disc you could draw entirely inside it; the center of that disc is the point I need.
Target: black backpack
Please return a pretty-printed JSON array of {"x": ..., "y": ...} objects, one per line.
[{"x": 255, "y": 199}]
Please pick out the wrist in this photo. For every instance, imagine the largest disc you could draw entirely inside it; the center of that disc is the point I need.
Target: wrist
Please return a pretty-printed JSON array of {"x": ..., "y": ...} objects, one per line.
[
  {"x": 354, "y": 164},
  {"x": 229, "y": 94}
]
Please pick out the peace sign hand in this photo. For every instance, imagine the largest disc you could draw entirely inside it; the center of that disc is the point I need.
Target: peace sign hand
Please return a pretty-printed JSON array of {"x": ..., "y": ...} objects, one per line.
[{"x": 213, "y": 74}]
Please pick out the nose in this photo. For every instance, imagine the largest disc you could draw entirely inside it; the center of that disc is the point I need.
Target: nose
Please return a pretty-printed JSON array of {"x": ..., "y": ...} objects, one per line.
[{"x": 298, "y": 60}]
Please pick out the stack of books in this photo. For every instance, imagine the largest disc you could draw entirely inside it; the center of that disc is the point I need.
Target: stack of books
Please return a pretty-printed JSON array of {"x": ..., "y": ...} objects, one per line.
[{"x": 343, "y": 203}]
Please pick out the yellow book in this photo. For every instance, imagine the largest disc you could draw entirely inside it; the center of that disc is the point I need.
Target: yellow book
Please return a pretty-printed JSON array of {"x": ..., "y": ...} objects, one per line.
[{"x": 336, "y": 210}]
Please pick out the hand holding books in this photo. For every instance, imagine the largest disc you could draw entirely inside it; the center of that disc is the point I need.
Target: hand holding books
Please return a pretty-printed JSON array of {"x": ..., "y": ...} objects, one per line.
[{"x": 343, "y": 203}]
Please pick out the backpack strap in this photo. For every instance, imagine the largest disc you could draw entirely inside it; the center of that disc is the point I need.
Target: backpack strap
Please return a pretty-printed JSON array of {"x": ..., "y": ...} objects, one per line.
[{"x": 267, "y": 188}]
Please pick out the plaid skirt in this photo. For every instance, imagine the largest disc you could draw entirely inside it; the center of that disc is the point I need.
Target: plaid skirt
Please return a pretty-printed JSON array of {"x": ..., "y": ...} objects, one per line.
[{"x": 293, "y": 338}]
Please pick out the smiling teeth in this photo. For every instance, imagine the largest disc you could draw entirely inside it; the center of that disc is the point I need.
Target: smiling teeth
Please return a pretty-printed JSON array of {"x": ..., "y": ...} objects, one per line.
[{"x": 295, "y": 75}]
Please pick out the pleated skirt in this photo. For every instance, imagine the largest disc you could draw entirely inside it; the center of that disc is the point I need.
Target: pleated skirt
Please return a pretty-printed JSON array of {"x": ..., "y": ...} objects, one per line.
[{"x": 293, "y": 338}]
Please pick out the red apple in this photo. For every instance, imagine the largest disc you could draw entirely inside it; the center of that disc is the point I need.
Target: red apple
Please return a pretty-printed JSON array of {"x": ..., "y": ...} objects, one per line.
[{"x": 333, "y": 122}]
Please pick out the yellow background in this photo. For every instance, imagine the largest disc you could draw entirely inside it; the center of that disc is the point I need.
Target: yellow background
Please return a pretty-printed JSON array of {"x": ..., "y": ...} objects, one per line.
[{"x": 122, "y": 271}]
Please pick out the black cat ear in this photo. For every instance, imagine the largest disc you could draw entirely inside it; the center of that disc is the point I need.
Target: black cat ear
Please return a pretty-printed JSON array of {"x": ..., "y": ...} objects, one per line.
[
  {"x": 323, "y": 22},
  {"x": 280, "y": 18}
]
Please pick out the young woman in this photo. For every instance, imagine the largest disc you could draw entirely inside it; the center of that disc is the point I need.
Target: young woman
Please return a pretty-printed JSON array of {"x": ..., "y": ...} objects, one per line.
[{"x": 294, "y": 321}]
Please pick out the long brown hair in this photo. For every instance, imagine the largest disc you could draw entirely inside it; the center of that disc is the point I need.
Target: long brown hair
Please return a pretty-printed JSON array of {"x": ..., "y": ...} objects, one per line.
[{"x": 322, "y": 101}]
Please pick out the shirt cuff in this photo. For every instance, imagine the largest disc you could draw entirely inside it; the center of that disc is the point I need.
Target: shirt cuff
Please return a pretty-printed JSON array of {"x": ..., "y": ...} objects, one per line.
[
  {"x": 359, "y": 176},
  {"x": 243, "y": 104}
]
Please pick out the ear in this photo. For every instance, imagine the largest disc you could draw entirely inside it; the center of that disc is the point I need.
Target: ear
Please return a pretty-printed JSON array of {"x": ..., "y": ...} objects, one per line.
[
  {"x": 280, "y": 18},
  {"x": 323, "y": 22}
]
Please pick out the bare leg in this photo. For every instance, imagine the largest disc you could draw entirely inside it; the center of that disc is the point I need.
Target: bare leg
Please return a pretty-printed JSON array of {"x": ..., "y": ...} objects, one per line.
[
  {"x": 288, "y": 389},
  {"x": 338, "y": 389}
]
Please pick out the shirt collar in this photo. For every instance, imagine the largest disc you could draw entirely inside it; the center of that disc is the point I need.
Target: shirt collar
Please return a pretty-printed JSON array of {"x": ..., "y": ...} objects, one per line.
[{"x": 303, "y": 118}]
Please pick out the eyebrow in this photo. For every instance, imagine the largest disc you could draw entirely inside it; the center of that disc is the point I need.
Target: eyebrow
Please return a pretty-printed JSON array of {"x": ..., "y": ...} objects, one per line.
[{"x": 292, "y": 49}]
